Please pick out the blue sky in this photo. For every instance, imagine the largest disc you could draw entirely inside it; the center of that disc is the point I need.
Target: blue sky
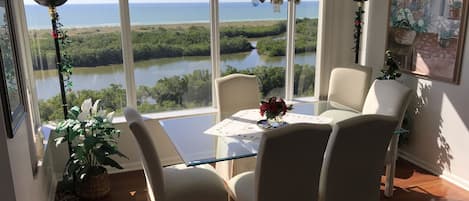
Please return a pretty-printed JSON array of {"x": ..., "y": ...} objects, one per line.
[{"x": 140, "y": 1}]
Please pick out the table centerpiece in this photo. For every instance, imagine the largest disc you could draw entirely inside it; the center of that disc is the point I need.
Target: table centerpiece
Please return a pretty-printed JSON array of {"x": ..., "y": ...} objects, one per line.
[{"x": 273, "y": 109}]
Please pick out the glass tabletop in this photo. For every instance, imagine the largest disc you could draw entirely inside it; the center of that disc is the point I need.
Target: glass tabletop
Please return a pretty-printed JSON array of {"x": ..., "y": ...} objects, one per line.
[{"x": 195, "y": 147}]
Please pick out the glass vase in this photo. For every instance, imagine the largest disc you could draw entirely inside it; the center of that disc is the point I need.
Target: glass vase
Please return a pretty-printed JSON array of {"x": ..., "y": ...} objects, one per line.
[{"x": 276, "y": 122}]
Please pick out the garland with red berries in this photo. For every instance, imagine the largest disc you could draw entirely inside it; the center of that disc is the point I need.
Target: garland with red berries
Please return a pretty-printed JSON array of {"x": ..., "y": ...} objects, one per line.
[
  {"x": 358, "y": 28},
  {"x": 65, "y": 60}
]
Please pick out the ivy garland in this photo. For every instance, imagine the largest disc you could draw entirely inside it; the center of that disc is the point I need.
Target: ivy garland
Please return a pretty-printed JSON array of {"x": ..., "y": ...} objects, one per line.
[
  {"x": 66, "y": 67},
  {"x": 358, "y": 28}
]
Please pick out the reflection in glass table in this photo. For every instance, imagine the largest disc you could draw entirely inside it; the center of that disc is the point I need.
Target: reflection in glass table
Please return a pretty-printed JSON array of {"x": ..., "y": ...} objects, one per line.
[{"x": 195, "y": 147}]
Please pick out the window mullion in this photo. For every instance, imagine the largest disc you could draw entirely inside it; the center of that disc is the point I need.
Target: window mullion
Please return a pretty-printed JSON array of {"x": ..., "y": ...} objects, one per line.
[
  {"x": 214, "y": 46},
  {"x": 290, "y": 53},
  {"x": 127, "y": 54}
]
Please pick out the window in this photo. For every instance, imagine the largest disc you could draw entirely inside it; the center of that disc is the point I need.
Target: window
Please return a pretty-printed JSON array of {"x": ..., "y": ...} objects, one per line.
[
  {"x": 305, "y": 48},
  {"x": 171, "y": 46},
  {"x": 254, "y": 43},
  {"x": 95, "y": 52}
]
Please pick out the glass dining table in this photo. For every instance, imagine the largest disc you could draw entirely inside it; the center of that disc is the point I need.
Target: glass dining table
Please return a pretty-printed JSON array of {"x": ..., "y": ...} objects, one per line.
[{"x": 196, "y": 147}]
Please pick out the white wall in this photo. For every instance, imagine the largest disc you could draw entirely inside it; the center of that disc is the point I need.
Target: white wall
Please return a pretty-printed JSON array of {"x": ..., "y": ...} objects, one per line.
[
  {"x": 439, "y": 139},
  {"x": 6, "y": 179},
  {"x": 27, "y": 186}
]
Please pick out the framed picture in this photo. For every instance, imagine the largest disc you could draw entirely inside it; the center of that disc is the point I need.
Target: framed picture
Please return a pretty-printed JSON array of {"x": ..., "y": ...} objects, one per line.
[
  {"x": 427, "y": 37},
  {"x": 10, "y": 85}
]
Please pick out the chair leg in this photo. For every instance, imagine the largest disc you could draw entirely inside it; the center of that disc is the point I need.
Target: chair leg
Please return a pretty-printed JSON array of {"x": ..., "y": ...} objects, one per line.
[{"x": 391, "y": 166}]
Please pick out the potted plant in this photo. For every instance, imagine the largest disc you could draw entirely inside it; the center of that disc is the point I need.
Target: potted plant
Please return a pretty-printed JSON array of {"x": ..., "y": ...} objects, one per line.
[
  {"x": 390, "y": 72},
  {"x": 94, "y": 140},
  {"x": 405, "y": 27},
  {"x": 455, "y": 9},
  {"x": 444, "y": 38}
]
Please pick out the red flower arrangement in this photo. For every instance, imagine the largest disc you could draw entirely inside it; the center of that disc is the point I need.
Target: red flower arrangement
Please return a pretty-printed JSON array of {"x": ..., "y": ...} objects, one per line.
[{"x": 274, "y": 107}]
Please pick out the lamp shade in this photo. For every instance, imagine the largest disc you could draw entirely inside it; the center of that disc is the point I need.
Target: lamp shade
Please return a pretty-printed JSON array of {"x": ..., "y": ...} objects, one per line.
[{"x": 49, "y": 3}]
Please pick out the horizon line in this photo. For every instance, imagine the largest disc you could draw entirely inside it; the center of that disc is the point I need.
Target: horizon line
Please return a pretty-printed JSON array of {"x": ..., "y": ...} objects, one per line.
[{"x": 31, "y": 2}]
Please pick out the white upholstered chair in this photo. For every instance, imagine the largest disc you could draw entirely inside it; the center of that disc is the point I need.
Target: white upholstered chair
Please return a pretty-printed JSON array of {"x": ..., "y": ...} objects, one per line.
[
  {"x": 288, "y": 165},
  {"x": 174, "y": 183},
  {"x": 354, "y": 158},
  {"x": 235, "y": 92},
  {"x": 349, "y": 86},
  {"x": 388, "y": 97}
]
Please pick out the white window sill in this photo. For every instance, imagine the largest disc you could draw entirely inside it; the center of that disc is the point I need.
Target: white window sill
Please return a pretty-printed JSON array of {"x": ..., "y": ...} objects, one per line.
[
  {"x": 171, "y": 114},
  {"x": 200, "y": 111}
]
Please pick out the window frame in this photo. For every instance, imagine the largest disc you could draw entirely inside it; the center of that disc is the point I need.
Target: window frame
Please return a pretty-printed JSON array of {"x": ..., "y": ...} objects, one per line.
[{"x": 129, "y": 66}]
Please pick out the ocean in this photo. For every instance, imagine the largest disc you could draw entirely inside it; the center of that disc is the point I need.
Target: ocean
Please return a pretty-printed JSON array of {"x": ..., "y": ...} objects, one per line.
[{"x": 95, "y": 15}]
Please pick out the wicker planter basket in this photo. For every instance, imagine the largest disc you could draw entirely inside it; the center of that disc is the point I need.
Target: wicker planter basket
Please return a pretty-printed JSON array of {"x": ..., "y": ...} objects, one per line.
[
  {"x": 95, "y": 185},
  {"x": 404, "y": 36}
]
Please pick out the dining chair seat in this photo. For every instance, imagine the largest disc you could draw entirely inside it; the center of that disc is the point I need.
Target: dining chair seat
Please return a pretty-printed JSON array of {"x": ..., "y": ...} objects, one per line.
[
  {"x": 338, "y": 115},
  {"x": 242, "y": 186},
  {"x": 184, "y": 183},
  {"x": 173, "y": 183}
]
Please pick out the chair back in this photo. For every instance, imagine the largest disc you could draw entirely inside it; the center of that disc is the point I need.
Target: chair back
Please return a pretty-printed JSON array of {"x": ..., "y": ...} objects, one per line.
[
  {"x": 236, "y": 92},
  {"x": 149, "y": 155},
  {"x": 387, "y": 97},
  {"x": 289, "y": 162},
  {"x": 349, "y": 85},
  {"x": 354, "y": 158}
]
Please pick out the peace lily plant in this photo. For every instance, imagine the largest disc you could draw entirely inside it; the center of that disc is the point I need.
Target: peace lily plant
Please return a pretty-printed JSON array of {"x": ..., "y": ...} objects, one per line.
[{"x": 93, "y": 138}]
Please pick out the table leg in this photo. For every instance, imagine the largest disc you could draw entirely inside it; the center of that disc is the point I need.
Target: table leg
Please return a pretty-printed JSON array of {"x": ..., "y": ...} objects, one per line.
[{"x": 391, "y": 166}]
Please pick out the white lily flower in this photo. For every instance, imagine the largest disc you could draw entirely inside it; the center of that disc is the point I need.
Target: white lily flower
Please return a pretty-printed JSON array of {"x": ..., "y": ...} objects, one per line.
[
  {"x": 86, "y": 105},
  {"x": 95, "y": 106},
  {"x": 83, "y": 116},
  {"x": 110, "y": 116}
]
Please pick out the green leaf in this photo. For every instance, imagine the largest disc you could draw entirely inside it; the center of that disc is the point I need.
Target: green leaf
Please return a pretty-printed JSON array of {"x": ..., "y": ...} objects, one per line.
[
  {"x": 82, "y": 176},
  {"x": 74, "y": 112},
  {"x": 59, "y": 140},
  {"x": 111, "y": 150},
  {"x": 112, "y": 163},
  {"x": 73, "y": 134},
  {"x": 90, "y": 142}
]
